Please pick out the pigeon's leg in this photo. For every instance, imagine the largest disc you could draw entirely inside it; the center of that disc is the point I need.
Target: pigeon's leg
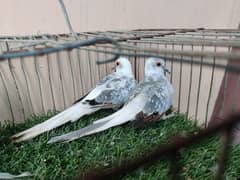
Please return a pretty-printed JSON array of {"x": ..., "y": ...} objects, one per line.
[
  {"x": 152, "y": 118},
  {"x": 143, "y": 120},
  {"x": 171, "y": 112},
  {"x": 166, "y": 116}
]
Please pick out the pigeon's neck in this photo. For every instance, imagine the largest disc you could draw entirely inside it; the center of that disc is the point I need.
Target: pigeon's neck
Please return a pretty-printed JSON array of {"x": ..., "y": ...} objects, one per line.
[
  {"x": 155, "y": 78},
  {"x": 124, "y": 73}
]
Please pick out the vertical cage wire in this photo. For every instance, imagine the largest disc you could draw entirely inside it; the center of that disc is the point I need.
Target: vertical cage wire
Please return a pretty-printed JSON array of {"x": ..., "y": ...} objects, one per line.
[
  {"x": 210, "y": 89},
  {"x": 199, "y": 86},
  {"x": 50, "y": 81},
  {"x": 190, "y": 83},
  {"x": 10, "y": 65},
  {"x": 61, "y": 79},
  {"x": 180, "y": 82}
]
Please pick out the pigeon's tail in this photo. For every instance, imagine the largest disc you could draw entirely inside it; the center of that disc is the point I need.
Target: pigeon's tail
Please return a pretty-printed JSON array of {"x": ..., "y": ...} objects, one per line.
[
  {"x": 79, "y": 133},
  {"x": 120, "y": 117},
  {"x": 10, "y": 176},
  {"x": 73, "y": 113}
]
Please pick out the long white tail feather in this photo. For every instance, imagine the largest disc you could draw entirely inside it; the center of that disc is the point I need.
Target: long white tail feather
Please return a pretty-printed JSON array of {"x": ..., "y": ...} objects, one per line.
[
  {"x": 78, "y": 133},
  {"x": 72, "y": 113},
  {"x": 105, "y": 119},
  {"x": 99, "y": 121},
  {"x": 105, "y": 106},
  {"x": 127, "y": 113},
  {"x": 11, "y": 176}
]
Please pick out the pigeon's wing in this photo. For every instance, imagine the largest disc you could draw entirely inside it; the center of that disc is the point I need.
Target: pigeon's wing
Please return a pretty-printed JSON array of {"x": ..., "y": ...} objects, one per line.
[
  {"x": 111, "y": 91},
  {"x": 158, "y": 99},
  {"x": 102, "y": 81},
  {"x": 98, "y": 86},
  {"x": 117, "y": 91}
]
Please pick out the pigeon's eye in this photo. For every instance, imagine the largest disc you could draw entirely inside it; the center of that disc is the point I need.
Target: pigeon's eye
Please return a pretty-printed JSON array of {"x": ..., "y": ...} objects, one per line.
[
  {"x": 117, "y": 63},
  {"x": 158, "y": 64}
]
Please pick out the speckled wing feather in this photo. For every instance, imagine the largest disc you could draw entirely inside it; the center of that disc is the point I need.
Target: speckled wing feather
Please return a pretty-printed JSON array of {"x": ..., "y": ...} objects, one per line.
[
  {"x": 159, "y": 97},
  {"x": 117, "y": 91}
]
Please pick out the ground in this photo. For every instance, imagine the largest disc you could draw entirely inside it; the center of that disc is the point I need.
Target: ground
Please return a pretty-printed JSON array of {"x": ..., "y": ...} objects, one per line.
[{"x": 64, "y": 161}]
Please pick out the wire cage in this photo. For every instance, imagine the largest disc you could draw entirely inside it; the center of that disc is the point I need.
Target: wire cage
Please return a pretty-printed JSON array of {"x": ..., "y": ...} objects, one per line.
[
  {"x": 196, "y": 59},
  {"x": 40, "y": 73}
]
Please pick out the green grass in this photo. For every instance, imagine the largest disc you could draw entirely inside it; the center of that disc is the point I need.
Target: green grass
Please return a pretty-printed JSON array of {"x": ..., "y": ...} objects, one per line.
[{"x": 64, "y": 161}]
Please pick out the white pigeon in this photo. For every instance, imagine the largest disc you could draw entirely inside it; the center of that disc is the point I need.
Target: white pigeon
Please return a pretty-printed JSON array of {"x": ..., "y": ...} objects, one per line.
[
  {"x": 149, "y": 101},
  {"x": 112, "y": 92}
]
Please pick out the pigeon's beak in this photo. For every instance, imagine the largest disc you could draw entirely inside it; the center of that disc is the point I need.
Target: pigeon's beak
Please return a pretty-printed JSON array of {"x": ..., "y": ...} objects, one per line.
[
  {"x": 166, "y": 70},
  {"x": 114, "y": 68}
]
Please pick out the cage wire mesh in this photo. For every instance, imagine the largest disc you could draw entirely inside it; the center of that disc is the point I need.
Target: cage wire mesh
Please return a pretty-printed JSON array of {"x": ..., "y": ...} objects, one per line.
[
  {"x": 37, "y": 84},
  {"x": 41, "y": 73}
]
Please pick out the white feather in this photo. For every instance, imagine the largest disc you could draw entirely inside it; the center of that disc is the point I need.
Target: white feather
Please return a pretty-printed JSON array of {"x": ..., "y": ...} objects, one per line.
[
  {"x": 72, "y": 113},
  {"x": 11, "y": 176},
  {"x": 126, "y": 114}
]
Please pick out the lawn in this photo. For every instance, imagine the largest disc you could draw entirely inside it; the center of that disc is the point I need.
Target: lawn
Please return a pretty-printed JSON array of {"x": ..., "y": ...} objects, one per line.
[{"x": 65, "y": 161}]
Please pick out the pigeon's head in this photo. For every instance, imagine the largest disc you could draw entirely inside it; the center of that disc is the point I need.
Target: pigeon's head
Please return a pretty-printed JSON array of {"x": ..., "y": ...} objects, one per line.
[
  {"x": 123, "y": 67},
  {"x": 155, "y": 69}
]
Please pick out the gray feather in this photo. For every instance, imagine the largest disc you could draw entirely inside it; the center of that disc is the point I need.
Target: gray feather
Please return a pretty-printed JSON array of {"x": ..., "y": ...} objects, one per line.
[
  {"x": 158, "y": 95},
  {"x": 76, "y": 134},
  {"x": 118, "y": 90}
]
